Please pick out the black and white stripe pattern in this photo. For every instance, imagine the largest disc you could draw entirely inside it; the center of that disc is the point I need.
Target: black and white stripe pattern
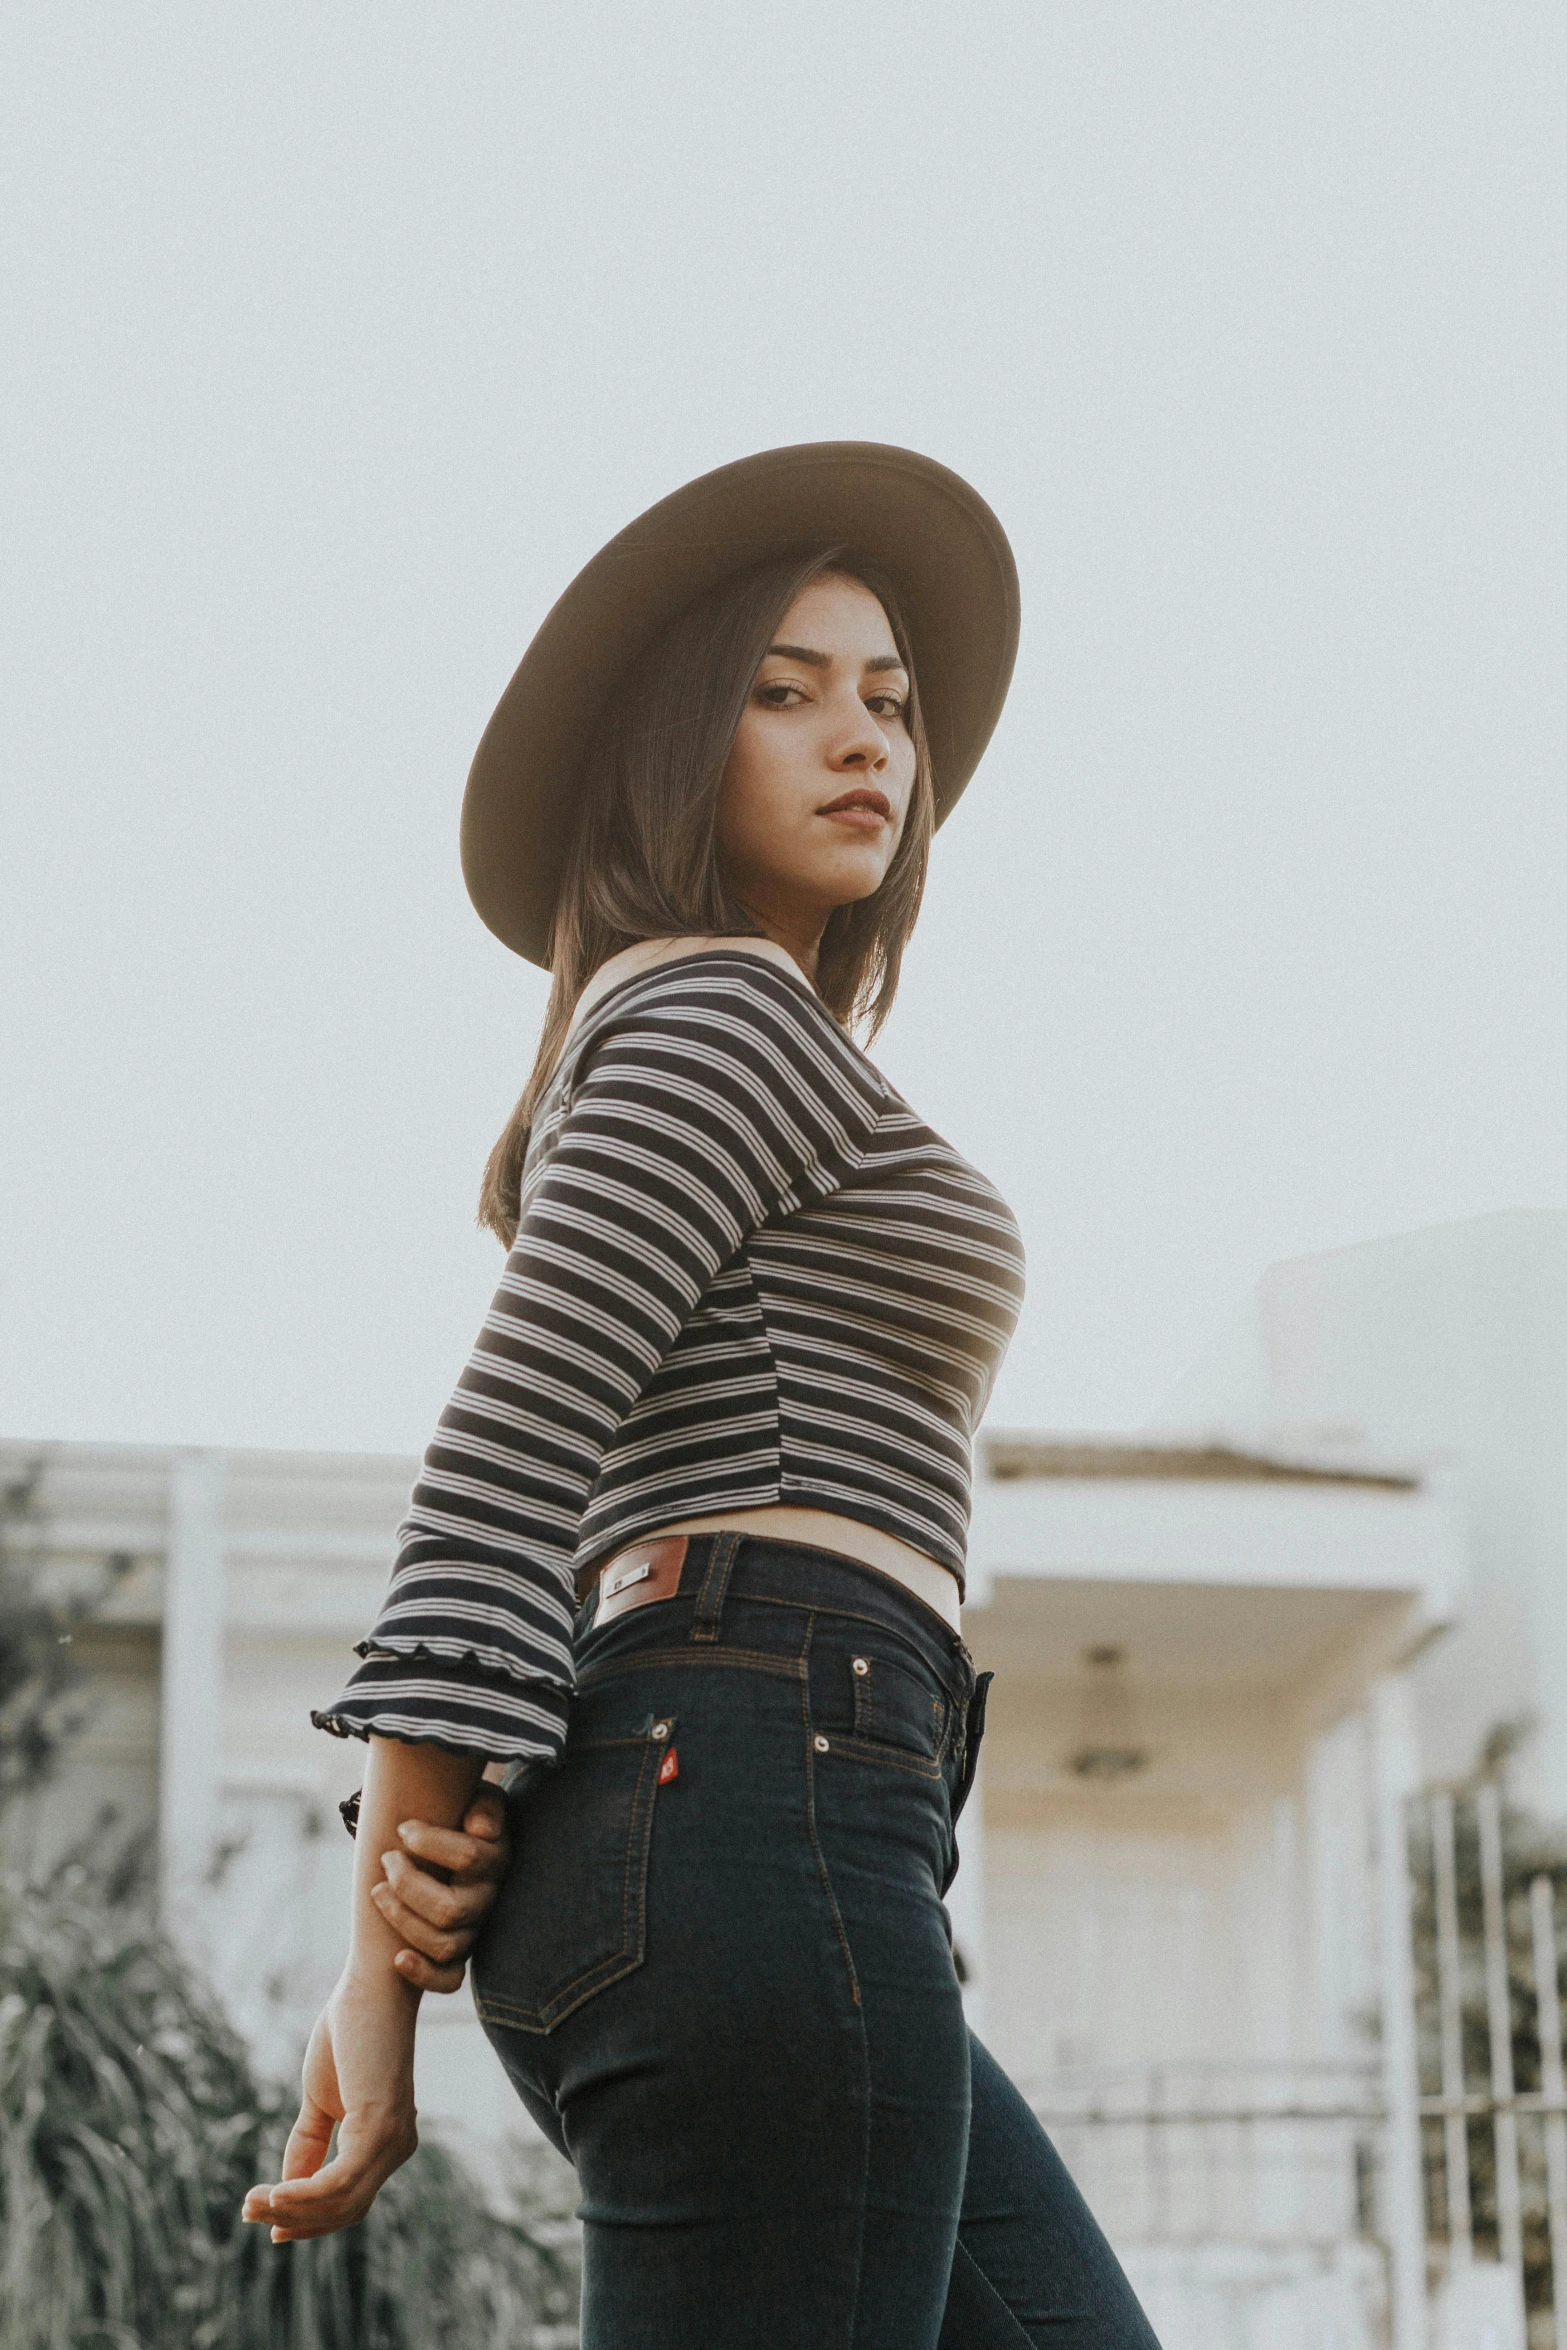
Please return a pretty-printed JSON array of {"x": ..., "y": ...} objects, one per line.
[{"x": 745, "y": 1273}]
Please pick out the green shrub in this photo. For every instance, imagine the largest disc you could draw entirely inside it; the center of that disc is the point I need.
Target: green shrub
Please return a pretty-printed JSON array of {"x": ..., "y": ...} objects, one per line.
[{"x": 131, "y": 2125}]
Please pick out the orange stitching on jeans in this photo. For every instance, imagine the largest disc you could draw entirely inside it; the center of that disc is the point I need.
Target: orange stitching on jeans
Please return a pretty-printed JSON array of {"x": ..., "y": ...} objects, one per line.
[
  {"x": 895, "y": 1758},
  {"x": 623, "y": 1961},
  {"x": 810, "y": 1815},
  {"x": 750, "y": 1660},
  {"x": 843, "y": 1943}
]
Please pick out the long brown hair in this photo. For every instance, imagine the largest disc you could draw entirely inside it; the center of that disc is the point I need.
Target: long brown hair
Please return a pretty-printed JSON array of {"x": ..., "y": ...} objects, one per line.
[{"x": 644, "y": 859}]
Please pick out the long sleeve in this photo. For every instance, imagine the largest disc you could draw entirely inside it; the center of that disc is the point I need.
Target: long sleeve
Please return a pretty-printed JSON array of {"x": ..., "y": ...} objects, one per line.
[{"x": 699, "y": 1102}]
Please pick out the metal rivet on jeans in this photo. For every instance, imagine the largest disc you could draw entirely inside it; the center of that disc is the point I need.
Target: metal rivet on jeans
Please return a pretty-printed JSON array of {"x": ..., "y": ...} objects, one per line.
[
  {"x": 661, "y": 1729},
  {"x": 820, "y": 1743},
  {"x": 862, "y": 1666}
]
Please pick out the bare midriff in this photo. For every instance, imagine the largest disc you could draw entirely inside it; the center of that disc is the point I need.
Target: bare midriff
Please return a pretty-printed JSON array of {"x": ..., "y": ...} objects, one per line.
[{"x": 868, "y": 1546}]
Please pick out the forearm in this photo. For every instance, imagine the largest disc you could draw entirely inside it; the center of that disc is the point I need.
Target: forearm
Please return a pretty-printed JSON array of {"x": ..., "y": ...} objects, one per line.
[{"x": 401, "y": 1783}]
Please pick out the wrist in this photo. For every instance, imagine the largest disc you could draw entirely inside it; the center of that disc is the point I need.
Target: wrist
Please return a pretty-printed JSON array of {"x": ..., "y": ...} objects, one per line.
[{"x": 370, "y": 1983}]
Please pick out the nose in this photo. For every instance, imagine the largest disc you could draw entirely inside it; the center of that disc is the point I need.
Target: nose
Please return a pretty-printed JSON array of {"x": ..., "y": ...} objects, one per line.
[{"x": 860, "y": 747}]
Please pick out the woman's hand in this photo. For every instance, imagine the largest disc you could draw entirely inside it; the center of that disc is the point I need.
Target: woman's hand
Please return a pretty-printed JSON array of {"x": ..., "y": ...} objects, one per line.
[
  {"x": 359, "y": 2067},
  {"x": 438, "y": 1916},
  {"x": 359, "y": 2077}
]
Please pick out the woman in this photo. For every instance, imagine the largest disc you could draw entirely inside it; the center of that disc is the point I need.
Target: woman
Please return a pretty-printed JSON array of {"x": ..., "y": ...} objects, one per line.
[{"x": 686, "y": 1554}]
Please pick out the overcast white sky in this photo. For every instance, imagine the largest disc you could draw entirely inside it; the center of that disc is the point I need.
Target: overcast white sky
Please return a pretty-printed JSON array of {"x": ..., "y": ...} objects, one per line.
[{"x": 336, "y": 338}]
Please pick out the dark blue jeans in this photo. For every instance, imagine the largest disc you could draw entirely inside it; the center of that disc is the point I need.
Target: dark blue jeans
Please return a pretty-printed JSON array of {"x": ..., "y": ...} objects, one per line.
[{"x": 720, "y": 1977}]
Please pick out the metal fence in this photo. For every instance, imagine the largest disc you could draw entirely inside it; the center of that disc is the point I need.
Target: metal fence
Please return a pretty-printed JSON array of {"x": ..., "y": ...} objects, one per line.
[
  {"x": 1301, "y": 2155},
  {"x": 1269, "y": 2155},
  {"x": 1493, "y": 2102}
]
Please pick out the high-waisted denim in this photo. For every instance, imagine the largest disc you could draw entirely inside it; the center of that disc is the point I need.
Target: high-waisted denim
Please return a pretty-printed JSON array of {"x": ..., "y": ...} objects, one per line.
[{"x": 720, "y": 1977}]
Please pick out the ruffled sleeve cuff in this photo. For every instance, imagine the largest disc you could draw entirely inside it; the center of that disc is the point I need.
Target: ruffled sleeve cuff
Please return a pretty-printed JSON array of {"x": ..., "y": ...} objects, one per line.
[{"x": 454, "y": 1702}]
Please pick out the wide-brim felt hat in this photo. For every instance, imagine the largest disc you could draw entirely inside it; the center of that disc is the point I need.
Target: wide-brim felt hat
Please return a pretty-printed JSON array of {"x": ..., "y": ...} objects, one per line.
[{"x": 931, "y": 535}]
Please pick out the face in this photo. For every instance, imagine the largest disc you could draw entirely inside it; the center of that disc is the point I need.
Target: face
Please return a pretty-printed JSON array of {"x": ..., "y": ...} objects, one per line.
[{"x": 817, "y": 788}]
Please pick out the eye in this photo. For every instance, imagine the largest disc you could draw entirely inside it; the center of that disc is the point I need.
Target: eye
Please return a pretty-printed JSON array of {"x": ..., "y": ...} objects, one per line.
[
  {"x": 779, "y": 696},
  {"x": 888, "y": 705}
]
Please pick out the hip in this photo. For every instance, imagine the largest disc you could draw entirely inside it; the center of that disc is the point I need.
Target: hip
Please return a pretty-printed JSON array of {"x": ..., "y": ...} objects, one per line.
[
  {"x": 785, "y": 1722},
  {"x": 868, "y": 1655}
]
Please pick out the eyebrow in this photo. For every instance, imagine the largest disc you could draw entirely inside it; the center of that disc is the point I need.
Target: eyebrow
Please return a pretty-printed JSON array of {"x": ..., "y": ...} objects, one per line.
[{"x": 815, "y": 660}]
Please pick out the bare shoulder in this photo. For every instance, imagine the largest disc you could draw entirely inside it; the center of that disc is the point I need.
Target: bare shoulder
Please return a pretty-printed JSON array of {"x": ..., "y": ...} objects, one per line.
[{"x": 649, "y": 953}]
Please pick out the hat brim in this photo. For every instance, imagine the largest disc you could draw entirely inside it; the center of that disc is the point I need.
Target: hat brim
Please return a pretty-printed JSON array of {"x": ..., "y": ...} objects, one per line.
[{"x": 931, "y": 534}]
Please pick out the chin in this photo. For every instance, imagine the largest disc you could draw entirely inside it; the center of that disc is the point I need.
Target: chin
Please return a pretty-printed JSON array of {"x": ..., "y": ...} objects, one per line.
[{"x": 852, "y": 878}]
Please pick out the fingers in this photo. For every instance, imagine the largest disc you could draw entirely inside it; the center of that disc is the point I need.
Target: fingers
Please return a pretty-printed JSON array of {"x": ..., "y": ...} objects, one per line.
[
  {"x": 438, "y": 1914},
  {"x": 425, "y": 1975},
  {"x": 443, "y": 1943},
  {"x": 449, "y": 1907},
  {"x": 340, "y": 2192},
  {"x": 308, "y": 2140},
  {"x": 472, "y": 1858},
  {"x": 486, "y": 1815},
  {"x": 303, "y": 2156}
]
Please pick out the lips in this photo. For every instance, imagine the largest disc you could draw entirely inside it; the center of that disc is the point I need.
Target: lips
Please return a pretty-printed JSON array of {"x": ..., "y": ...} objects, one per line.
[{"x": 863, "y": 804}]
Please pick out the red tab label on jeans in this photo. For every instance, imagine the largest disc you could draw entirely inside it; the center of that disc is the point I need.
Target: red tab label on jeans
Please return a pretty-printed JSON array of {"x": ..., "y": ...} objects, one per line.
[{"x": 669, "y": 1768}]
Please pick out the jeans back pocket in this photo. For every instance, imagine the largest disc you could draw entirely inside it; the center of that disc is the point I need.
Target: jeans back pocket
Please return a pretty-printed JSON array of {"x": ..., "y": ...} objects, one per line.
[{"x": 571, "y": 1917}]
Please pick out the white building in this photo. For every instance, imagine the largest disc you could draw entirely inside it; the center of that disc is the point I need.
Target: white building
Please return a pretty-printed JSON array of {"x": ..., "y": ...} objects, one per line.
[
  {"x": 1447, "y": 1347},
  {"x": 1201, "y": 1722},
  {"x": 1223, "y": 1657}
]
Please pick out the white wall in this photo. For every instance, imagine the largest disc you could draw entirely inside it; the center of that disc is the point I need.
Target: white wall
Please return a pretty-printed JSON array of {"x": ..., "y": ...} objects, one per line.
[
  {"x": 1210, "y": 1910},
  {"x": 1447, "y": 1346}
]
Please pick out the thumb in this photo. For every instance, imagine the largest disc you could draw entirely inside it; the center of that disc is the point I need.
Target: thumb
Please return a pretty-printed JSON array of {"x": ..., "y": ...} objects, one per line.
[
  {"x": 486, "y": 1815},
  {"x": 308, "y": 2140}
]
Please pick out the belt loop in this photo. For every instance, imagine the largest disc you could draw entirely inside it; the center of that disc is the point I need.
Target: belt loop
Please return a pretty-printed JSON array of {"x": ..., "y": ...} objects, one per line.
[{"x": 715, "y": 1586}]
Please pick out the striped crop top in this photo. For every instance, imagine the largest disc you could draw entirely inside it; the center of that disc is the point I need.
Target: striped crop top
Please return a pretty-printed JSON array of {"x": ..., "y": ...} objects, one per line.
[{"x": 745, "y": 1273}]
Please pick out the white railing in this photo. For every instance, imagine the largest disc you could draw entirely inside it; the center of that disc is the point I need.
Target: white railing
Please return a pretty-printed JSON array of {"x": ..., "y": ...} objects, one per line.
[
  {"x": 1258, "y": 2154},
  {"x": 1510, "y": 1970}
]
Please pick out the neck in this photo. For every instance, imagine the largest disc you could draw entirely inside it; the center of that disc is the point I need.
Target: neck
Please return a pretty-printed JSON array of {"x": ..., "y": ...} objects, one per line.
[{"x": 800, "y": 935}]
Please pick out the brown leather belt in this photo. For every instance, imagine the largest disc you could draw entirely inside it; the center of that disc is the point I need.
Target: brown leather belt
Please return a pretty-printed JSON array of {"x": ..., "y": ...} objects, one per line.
[{"x": 642, "y": 1572}]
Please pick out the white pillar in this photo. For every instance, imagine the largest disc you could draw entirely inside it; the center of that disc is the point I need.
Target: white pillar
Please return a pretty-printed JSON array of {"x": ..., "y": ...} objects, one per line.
[
  {"x": 191, "y": 1719},
  {"x": 1396, "y": 1752},
  {"x": 1330, "y": 1875},
  {"x": 1283, "y": 1996}
]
